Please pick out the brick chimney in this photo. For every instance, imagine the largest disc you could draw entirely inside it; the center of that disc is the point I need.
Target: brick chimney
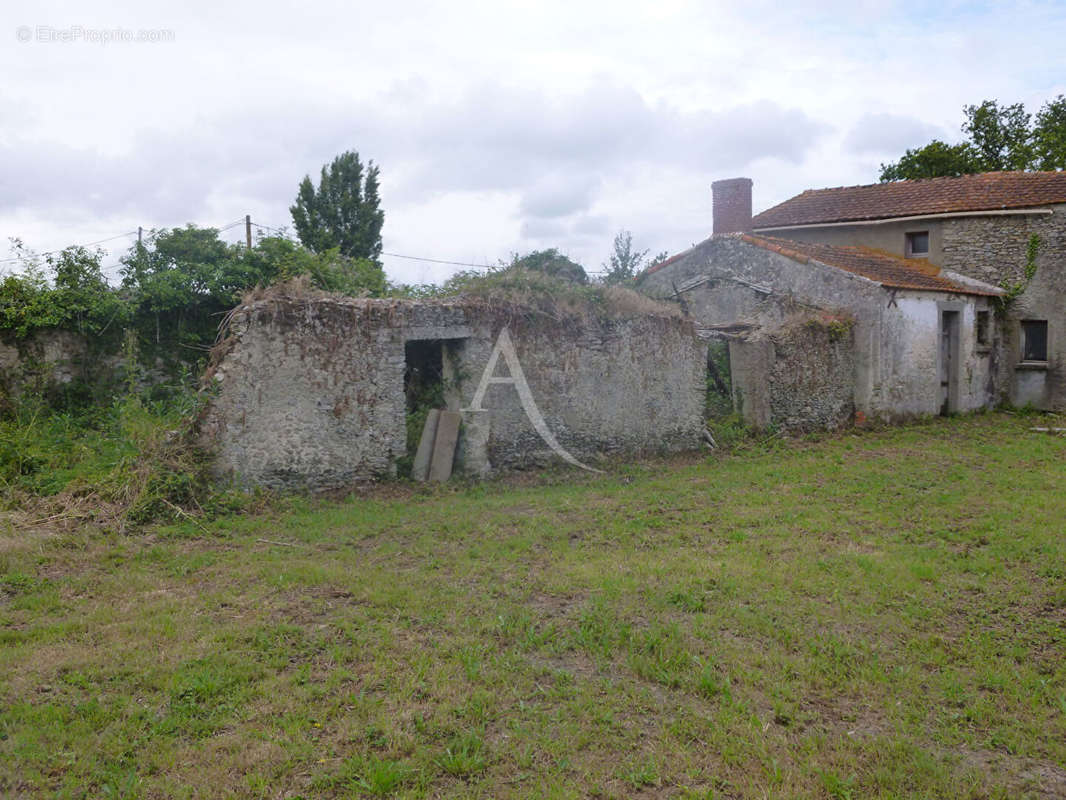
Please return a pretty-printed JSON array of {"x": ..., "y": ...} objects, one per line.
[{"x": 732, "y": 205}]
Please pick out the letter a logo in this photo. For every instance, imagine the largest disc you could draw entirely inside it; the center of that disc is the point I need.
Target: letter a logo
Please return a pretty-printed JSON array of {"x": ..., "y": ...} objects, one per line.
[{"x": 517, "y": 377}]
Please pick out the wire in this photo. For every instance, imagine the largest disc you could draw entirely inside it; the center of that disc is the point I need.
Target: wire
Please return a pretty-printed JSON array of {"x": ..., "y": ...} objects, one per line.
[
  {"x": 438, "y": 261},
  {"x": 53, "y": 252},
  {"x": 99, "y": 241},
  {"x": 269, "y": 228},
  {"x": 395, "y": 255},
  {"x": 280, "y": 231}
]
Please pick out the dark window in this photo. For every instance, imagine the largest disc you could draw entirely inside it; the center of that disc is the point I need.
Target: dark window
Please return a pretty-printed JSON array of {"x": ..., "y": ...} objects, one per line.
[
  {"x": 984, "y": 334},
  {"x": 1034, "y": 340},
  {"x": 918, "y": 243}
]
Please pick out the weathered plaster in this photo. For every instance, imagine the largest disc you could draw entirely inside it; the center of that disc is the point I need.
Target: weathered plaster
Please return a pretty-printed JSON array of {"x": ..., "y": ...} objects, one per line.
[
  {"x": 991, "y": 248},
  {"x": 310, "y": 393},
  {"x": 896, "y": 332}
]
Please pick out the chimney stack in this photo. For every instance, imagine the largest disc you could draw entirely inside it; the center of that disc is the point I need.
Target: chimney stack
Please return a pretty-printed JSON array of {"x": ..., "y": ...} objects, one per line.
[{"x": 731, "y": 206}]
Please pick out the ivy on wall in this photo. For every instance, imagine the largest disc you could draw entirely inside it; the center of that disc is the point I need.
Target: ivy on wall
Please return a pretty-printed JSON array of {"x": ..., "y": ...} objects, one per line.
[{"x": 1014, "y": 290}]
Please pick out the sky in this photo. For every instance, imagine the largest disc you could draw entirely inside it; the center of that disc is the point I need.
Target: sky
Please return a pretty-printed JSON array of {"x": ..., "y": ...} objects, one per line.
[{"x": 498, "y": 127}]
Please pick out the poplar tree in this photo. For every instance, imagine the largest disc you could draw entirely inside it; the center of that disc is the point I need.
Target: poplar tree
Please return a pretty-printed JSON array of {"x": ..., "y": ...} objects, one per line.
[{"x": 343, "y": 212}]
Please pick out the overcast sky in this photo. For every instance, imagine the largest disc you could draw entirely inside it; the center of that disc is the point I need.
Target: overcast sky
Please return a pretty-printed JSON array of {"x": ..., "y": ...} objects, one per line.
[{"x": 498, "y": 126}]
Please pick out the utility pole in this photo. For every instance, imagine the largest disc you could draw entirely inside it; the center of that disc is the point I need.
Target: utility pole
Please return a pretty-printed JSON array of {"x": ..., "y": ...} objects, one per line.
[
  {"x": 248, "y": 229},
  {"x": 140, "y": 230}
]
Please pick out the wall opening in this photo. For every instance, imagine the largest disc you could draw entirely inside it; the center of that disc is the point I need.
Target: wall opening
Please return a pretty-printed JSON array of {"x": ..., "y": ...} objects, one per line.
[
  {"x": 423, "y": 388},
  {"x": 719, "y": 380},
  {"x": 949, "y": 361}
]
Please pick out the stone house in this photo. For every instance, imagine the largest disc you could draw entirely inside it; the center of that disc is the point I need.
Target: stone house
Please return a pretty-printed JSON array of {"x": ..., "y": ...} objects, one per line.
[
  {"x": 317, "y": 391},
  {"x": 1007, "y": 229},
  {"x": 911, "y": 338}
]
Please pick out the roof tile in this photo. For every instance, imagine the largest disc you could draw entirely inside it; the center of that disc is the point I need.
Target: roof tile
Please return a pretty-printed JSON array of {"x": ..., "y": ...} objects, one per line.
[
  {"x": 986, "y": 191},
  {"x": 884, "y": 268}
]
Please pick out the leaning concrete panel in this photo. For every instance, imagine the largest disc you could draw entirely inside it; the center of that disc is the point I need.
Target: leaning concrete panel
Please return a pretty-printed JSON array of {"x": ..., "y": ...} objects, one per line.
[
  {"x": 424, "y": 454},
  {"x": 440, "y": 466}
]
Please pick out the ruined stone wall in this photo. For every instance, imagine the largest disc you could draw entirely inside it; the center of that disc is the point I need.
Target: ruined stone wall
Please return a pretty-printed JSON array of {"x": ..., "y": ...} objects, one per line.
[
  {"x": 310, "y": 393},
  {"x": 797, "y": 377},
  {"x": 45, "y": 361},
  {"x": 751, "y": 284},
  {"x": 994, "y": 249},
  {"x": 812, "y": 381},
  {"x": 896, "y": 333},
  {"x": 603, "y": 387}
]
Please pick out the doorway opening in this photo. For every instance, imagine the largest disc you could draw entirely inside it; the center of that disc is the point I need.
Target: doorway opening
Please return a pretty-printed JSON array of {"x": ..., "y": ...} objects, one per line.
[
  {"x": 423, "y": 388},
  {"x": 432, "y": 379},
  {"x": 949, "y": 362}
]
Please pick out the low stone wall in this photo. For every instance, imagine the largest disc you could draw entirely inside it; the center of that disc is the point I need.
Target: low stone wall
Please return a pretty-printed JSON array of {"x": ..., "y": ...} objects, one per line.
[
  {"x": 43, "y": 362},
  {"x": 799, "y": 376},
  {"x": 309, "y": 393}
]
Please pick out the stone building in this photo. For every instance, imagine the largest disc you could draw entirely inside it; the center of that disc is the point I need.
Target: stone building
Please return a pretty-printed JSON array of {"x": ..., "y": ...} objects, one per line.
[
  {"x": 1003, "y": 228},
  {"x": 905, "y": 337},
  {"x": 318, "y": 391}
]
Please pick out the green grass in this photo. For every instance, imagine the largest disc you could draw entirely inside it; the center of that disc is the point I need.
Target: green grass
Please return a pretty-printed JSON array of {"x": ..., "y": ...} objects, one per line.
[{"x": 880, "y": 614}]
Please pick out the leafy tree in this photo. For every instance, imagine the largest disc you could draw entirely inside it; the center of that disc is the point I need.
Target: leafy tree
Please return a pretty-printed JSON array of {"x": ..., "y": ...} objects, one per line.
[
  {"x": 659, "y": 258},
  {"x": 275, "y": 258},
  {"x": 998, "y": 138},
  {"x": 625, "y": 262},
  {"x": 78, "y": 296},
  {"x": 550, "y": 262},
  {"x": 179, "y": 268},
  {"x": 81, "y": 292},
  {"x": 343, "y": 212},
  {"x": 936, "y": 159},
  {"x": 1049, "y": 135},
  {"x": 1000, "y": 135}
]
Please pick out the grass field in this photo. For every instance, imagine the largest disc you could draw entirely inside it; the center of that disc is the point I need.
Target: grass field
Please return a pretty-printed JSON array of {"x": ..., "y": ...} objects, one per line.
[{"x": 880, "y": 614}]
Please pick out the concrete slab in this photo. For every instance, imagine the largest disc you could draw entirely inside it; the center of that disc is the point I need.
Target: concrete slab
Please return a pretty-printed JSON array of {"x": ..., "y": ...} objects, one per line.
[
  {"x": 472, "y": 454},
  {"x": 440, "y": 466},
  {"x": 424, "y": 454}
]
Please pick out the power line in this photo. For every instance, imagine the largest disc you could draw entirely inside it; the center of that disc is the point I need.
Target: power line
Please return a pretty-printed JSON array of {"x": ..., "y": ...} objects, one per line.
[
  {"x": 438, "y": 261},
  {"x": 396, "y": 255},
  {"x": 99, "y": 241},
  {"x": 60, "y": 250},
  {"x": 282, "y": 232}
]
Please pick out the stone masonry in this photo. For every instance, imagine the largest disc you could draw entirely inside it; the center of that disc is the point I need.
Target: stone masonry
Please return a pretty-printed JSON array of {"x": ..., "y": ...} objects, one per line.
[{"x": 309, "y": 392}]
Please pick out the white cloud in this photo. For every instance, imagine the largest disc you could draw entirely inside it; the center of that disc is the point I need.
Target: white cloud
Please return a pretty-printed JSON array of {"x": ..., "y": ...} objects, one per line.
[
  {"x": 889, "y": 134},
  {"x": 497, "y": 126}
]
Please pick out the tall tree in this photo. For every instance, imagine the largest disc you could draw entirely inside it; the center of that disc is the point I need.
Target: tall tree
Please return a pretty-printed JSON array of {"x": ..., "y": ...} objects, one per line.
[
  {"x": 625, "y": 262},
  {"x": 343, "y": 212},
  {"x": 1000, "y": 135},
  {"x": 998, "y": 138},
  {"x": 1049, "y": 135}
]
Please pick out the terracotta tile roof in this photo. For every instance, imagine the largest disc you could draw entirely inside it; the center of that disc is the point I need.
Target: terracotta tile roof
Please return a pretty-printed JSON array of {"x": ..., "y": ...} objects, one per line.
[
  {"x": 888, "y": 270},
  {"x": 984, "y": 192}
]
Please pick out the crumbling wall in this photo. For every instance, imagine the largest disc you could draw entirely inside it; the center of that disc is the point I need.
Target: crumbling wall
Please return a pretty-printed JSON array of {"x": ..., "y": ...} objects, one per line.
[
  {"x": 45, "y": 361},
  {"x": 799, "y": 376},
  {"x": 309, "y": 393},
  {"x": 603, "y": 386}
]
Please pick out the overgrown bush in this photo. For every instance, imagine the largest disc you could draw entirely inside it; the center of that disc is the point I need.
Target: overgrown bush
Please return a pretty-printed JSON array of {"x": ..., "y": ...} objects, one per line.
[{"x": 131, "y": 461}]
